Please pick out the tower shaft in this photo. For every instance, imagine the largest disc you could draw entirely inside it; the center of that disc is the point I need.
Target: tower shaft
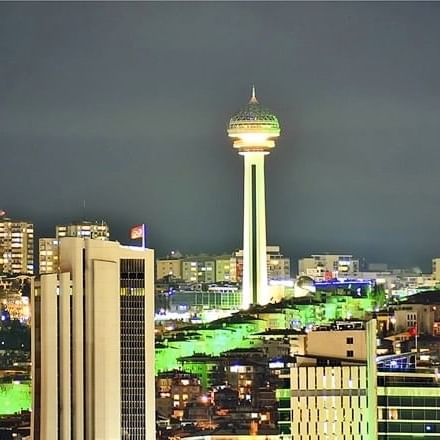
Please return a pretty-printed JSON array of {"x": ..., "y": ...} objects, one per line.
[{"x": 255, "y": 289}]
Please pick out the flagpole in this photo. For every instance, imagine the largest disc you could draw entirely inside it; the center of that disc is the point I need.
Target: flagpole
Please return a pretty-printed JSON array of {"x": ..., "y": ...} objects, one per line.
[{"x": 143, "y": 235}]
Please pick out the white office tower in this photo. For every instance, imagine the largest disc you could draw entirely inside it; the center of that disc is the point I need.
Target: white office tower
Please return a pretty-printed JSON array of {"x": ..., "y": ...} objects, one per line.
[
  {"x": 254, "y": 130},
  {"x": 93, "y": 344}
]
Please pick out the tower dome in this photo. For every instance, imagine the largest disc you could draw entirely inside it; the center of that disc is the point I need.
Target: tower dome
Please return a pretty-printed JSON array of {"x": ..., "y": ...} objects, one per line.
[{"x": 254, "y": 118}]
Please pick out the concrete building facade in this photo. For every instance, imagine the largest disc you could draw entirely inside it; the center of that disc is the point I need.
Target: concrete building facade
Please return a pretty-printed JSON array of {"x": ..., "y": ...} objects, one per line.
[{"x": 93, "y": 344}]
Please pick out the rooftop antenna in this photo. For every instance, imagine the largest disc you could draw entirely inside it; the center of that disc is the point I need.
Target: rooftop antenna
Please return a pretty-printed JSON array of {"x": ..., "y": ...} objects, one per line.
[
  {"x": 84, "y": 210},
  {"x": 253, "y": 99}
]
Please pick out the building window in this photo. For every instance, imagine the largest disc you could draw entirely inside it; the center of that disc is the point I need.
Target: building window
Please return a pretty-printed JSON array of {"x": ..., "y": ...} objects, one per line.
[
  {"x": 349, "y": 341},
  {"x": 350, "y": 353}
]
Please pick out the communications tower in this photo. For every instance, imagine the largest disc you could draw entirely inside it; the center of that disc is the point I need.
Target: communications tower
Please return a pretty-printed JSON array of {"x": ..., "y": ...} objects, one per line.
[{"x": 254, "y": 130}]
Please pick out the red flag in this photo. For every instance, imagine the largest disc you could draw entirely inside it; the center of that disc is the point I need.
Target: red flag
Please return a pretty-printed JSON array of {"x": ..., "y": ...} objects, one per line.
[
  {"x": 413, "y": 331},
  {"x": 137, "y": 232}
]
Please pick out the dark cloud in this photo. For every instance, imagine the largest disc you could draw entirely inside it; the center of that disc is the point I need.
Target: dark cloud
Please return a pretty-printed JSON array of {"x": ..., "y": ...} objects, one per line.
[{"x": 125, "y": 105}]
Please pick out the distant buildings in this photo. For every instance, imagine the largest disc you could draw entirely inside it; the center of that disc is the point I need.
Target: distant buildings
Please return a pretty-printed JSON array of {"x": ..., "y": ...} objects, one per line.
[
  {"x": 220, "y": 268},
  {"x": 97, "y": 230},
  {"x": 421, "y": 311},
  {"x": 436, "y": 269},
  {"x": 48, "y": 247},
  {"x": 16, "y": 247},
  {"x": 199, "y": 269},
  {"x": 169, "y": 267},
  {"x": 327, "y": 266},
  {"x": 93, "y": 344}
]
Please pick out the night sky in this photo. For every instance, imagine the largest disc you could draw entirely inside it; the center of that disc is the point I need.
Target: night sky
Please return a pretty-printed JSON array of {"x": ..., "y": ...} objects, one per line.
[{"x": 125, "y": 105}]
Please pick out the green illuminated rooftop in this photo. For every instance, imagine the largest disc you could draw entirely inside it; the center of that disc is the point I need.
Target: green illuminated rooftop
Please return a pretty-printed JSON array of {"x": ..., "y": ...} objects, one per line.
[{"x": 15, "y": 397}]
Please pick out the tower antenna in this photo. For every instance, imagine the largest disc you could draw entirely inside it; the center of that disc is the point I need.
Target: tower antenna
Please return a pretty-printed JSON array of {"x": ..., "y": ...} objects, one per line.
[{"x": 253, "y": 99}]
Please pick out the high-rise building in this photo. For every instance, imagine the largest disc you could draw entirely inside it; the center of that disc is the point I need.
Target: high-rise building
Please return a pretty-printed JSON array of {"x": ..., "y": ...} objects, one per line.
[
  {"x": 254, "y": 129},
  {"x": 93, "y": 344},
  {"x": 16, "y": 247},
  {"x": 48, "y": 254}
]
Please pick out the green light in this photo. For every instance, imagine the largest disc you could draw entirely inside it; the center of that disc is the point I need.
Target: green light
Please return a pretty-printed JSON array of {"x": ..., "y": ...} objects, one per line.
[{"x": 15, "y": 397}]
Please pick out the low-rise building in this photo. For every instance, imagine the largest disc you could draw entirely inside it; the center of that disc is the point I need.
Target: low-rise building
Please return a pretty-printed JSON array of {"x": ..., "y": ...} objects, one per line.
[
  {"x": 169, "y": 267},
  {"x": 174, "y": 390}
]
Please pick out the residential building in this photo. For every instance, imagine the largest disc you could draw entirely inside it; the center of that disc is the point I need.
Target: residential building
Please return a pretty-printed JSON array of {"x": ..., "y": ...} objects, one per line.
[
  {"x": 93, "y": 344},
  {"x": 198, "y": 269},
  {"x": 48, "y": 255},
  {"x": 278, "y": 265},
  {"x": 223, "y": 268},
  {"x": 328, "y": 266},
  {"x": 436, "y": 268},
  {"x": 175, "y": 389},
  {"x": 169, "y": 267},
  {"x": 16, "y": 247},
  {"x": 84, "y": 229},
  {"x": 48, "y": 247}
]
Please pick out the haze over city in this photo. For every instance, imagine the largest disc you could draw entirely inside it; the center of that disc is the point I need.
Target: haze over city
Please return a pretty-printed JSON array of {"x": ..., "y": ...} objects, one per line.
[{"x": 126, "y": 106}]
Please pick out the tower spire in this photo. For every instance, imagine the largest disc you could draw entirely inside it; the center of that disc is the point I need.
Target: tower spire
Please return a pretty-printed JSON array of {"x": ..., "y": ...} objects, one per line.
[{"x": 253, "y": 99}]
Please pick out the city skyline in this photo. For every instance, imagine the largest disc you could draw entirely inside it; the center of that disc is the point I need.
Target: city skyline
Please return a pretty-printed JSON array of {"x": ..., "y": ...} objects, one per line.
[{"x": 355, "y": 87}]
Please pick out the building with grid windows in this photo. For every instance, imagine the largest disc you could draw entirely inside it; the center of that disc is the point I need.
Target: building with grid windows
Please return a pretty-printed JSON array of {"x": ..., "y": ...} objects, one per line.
[
  {"x": 408, "y": 404},
  {"x": 331, "y": 392},
  {"x": 16, "y": 247},
  {"x": 93, "y": 344},
  {"x": 327, "y": 266},
  {"x": 48, "y": 251}
]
